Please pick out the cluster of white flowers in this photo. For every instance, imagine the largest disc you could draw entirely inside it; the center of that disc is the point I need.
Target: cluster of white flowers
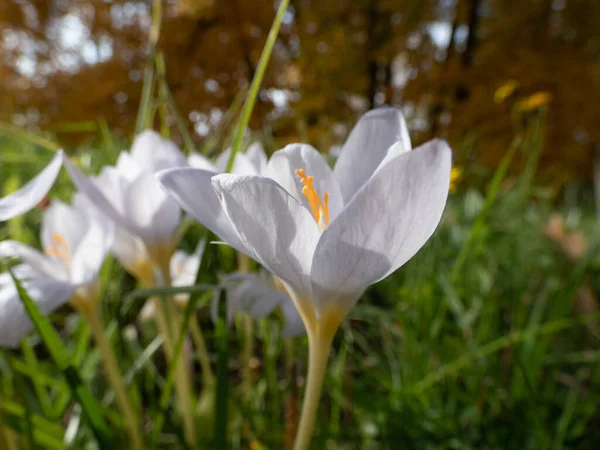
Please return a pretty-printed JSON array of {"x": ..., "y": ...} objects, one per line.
[{"x": 323, "y": 235}]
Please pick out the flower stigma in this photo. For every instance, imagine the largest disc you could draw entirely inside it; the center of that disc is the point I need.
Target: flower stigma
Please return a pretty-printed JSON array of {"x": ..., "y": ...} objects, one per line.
[
  {"x": 320, "y": 209},
  {"x": 60, "y": 249}
]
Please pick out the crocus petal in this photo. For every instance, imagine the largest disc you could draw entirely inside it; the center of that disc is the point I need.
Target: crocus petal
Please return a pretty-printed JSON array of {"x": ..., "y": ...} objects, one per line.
[
  {"x": 153, "y": 153},
  {"x": 127, "y": 167},
  {"x": 277, "y": 230},
  {"x": 129, "y": 249},
  {"x": 63, "y": 227},
  {"x": 198, "y": 161},
  {"x": 366, "y": 147},
  {"x": 151, "y": 213},
  {"x": 38, "y": 261},
  {"x": 294, "y": 326},
  {"x": 253, "y": 295},
  {"x": 184, "y": 267},
  {"x": 92, "y": 250},
  {"x": 87, "y": 187},
  {"x": 384, "y": 225},
  {"x": 256, "y": 155},
  {"x": 192, "y": 189},
  {"x": 114, "y": 185},
  {"x": 284, "y": 163},
  {"x": 32, "y": 193},
  {"x": 49, "y": 294}
]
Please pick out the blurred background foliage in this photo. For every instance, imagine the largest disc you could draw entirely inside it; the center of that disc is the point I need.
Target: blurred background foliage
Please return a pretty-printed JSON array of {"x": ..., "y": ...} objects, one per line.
[{"x": 467, "y": 70}]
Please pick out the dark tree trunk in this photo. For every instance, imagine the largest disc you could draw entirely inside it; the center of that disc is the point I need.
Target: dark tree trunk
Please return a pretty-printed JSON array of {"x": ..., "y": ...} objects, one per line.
[{"x": 469, "y": 54}]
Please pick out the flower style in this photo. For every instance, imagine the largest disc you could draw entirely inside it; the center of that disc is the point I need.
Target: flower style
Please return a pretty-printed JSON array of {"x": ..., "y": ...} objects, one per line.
[
  {"x": 75, "y": 247},
  {"x": 32, "y": 193},
  {"x": 257, "y": 296},
  {"x": 328, "y": 234},
  {"x": 146, "y": 218}
]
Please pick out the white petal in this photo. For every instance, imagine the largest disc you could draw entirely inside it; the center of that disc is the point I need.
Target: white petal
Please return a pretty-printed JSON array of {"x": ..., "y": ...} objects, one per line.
[
  {"x": 198, "y": 161},
  {"x": 153, "y": 153},
  {"x": 127, "y": 167},
  {"x": 384, "y": 225},
  {"x": 32, "y": 193},
  {"x": 38, "y": 261},
  {"x": 89, "y": 188},
  {"x": 129, "y": 249},
  {"x": 366, "y": 147},
  {"x": 65, "y": 223},
  {"x": 256, "y": 155},
  {"x": 114, "y": 186},
  {"x": 247, "y": 293},
  {"x": 294, "y": 326},
  {"x": 192, "y": 189},
  {"x": 253, "y": 296},
  {"x": 241, "y": 166},
  {"x": 92, "y": 250},
  {"x": 150, "y": 212},
  {"x": 184, "y": 267},
  {"x": 277, "y": 230},
  {"x": 282, "y": 167},
  {"x": 14, "y": 322}
]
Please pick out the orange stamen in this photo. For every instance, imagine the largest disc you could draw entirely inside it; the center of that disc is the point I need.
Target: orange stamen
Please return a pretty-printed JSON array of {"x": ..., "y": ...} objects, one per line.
[
  {"x": 60, "y": 249},
  {"x": 320, "y": 209}
]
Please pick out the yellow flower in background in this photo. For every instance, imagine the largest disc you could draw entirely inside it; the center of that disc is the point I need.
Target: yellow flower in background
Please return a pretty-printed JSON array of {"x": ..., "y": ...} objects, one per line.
[
  {"x": 505, "y": 91},
  {"x": 456, "y": 174},
  {"x": 534, "y": 101}
]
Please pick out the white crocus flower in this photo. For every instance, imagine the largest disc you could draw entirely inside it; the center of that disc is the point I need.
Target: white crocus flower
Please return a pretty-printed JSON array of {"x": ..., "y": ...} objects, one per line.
[
  {"x": 328, "y": 234},
  {"x": 75, "y": 247},
  {"x": 32, "y": 193},
  {"x": 129, "y": 194},
  {"x": 257, "y": 296}
]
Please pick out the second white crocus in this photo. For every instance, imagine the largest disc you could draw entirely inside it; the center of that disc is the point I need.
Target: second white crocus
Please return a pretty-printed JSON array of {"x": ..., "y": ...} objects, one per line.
[
  {"x": 75, "y": 247},
  {"x": 129, "y": 194}
]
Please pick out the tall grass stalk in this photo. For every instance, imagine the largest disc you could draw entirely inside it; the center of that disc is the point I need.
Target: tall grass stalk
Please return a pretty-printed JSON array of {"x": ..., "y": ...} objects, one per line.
[
  {"x": 256, "y": 82},
  {"x": 183, "y": 384},
  {"x": 130, "y": 414}
]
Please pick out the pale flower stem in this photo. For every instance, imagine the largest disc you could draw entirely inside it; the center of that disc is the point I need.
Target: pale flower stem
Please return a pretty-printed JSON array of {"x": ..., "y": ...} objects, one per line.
[
  {"x": 183, "y": 383},
  {"x": 6, "y": 440},
  {"x": 248, "y": 353},
  {"x": 198, "y": 338},
  {"x": 182, "y": 379},
  {"x": 111, "y": 367},
  {"x": 319, "y": 345},
  {"x": 248, "y": 330}
]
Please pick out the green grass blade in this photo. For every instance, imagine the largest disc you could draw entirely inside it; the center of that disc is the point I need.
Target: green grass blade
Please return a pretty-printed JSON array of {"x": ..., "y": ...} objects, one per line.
[
  {"x": 222, "y": 403},
  {"x": 256, "y": 82},
  {"x": 479, "y": 224},
  {"x": 90, "y": 406},
  {"x": 145, "y": 111},
  {"x": 168, "y": 290}
]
